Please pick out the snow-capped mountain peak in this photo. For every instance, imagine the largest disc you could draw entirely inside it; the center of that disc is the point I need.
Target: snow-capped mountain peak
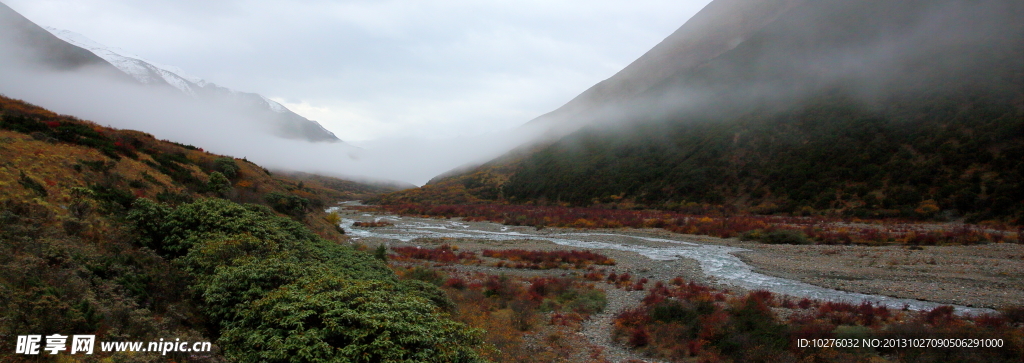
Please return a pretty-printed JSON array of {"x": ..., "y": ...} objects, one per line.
[{"x": 288, "y": 123}]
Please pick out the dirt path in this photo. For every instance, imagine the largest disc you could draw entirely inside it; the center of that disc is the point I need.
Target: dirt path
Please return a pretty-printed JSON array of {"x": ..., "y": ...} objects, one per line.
[{"x": 598, "y": 329}]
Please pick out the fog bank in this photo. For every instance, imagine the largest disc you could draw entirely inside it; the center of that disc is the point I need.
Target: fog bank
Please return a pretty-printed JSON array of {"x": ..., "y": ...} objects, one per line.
[{"x": 90, "y": 93}]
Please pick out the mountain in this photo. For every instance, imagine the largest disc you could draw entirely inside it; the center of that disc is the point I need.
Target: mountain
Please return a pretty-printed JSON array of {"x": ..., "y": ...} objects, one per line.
[
  {"x": 853, "y": 107},
  {"x": 719, "y": 27},
  {"x": 28, "y": 45},
  {"x": 136, "y": 67},
  {"x": 289, "y": 124},
  {"x": 22, "y": 42}
]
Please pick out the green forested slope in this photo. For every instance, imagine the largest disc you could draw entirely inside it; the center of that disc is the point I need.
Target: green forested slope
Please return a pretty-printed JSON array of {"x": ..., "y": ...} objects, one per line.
[{"x": 964, "y": 157}]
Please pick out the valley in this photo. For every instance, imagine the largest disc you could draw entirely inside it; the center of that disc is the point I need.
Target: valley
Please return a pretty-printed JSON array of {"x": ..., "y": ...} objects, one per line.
[
  {"x": 896, "y": 277},
  {"x": 772, "y": 173}
]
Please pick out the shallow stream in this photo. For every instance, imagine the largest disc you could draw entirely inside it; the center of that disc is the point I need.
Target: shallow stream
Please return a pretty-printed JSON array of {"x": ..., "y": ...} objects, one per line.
[{"x": 716, "y": 261}]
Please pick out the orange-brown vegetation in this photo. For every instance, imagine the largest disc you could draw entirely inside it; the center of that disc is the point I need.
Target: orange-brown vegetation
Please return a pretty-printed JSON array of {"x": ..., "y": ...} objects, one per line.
[
  {"x": 548, "y": 259},
  {"x": 443, "y": 253},
  {"x": 682, "y": 321},
  {"x": 524, "y": 319},
  {"x": 45, "y": 157},
  {"x": 512, "y": 258},
  {"x": 352, "y": 190}
]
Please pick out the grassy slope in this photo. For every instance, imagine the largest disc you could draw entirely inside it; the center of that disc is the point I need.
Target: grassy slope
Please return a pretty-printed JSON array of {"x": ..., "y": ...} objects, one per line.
[
  {"x": 61, "y": 153},
  {"x": 355, "y": 190}
]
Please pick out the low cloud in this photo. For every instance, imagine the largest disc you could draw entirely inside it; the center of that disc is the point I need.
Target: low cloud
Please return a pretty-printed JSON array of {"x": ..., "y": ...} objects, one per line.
[
  {"x": 407, "y": 68},
  {"x": 92, "y": 95},
  {"x": 418, "y": 88}
]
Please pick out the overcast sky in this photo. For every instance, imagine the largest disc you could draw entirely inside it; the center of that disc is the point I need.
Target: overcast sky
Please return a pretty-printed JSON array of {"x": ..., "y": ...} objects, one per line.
[{"x": 385, "y": 69}]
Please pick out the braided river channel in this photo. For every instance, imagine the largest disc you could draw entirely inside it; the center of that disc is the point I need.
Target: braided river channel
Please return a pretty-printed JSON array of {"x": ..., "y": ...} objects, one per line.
[{"x": 715, "y": 261}]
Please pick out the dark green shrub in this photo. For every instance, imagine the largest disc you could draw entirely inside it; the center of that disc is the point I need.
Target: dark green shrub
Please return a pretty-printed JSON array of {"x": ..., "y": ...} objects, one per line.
[
  {"x": 339, "y": 320},
  {"x": 752, "y": 324},
  {"x": 171, "y": 164},
  {"x": 22, "y": 124},
  {"x": 213, "y": 233},
  {"x": 348, "y": 261},
  {"x": 786, "y": 236},
  {"x": 381, "y": 253},
  {"x": 148, "y": 219},
  {"x": 209, "y": 219},
  {"x": 226, "y": 166},
  {"x": 276, "y": 292},
  {"x": 752, "y": 235},
  {"x": 427, "y": 291},
  {"x": 289, "y": 204},
  {"x": 218, "y": 183},
  {"x": 151, "y": 179},
  {"x": 589, "y": 302},
  {"x": 174, "y": 198},
  {"x": 687, "y": 313},
  {"x": 32, "y": 184},
  {"x": 113, "y": 198},
  {"x": 426, "y": 275},
  {"x": 248, "y": 279},
  {"x": 99, "y": 165}
]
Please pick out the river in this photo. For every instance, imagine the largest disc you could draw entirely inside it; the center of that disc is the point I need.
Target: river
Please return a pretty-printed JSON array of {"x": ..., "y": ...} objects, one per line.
[{"x": 715, "y": 260}]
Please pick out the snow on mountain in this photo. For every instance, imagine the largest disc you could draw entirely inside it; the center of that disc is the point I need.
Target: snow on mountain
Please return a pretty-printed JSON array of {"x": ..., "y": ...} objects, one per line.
[
  {"x": 180, "y": 73},
  {"x": 290, "y": 125},
  {"x": 276, "y": 107},
  {"x": 139, "y": 68}
]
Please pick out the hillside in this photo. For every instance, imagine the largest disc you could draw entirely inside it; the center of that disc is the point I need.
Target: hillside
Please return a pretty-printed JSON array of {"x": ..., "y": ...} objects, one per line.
[
  {"x": 354, "y": 190},
  {"x": 29, "y": 49},
  {"x": 863, "y": 108},
  {"x": 719, "y": 27},
  {"x": 59, "y": 153},
  {"x": 130, "y": 238},
  {"x": 22, "y": 42}
]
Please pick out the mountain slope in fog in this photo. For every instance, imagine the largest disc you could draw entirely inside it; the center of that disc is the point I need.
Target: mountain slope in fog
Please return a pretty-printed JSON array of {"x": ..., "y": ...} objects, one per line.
[
  {"x": 866, "y": 107},
  {"x": 289, "y": 124},
  {"x": 41, "y": 49},
  {"x": 719, "y": 27},
  {"x": 26, "y": 45}
]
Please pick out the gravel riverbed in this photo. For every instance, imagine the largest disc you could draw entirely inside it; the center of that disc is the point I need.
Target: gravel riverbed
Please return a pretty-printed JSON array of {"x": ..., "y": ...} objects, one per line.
[{"x": 990, "y": 276}]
